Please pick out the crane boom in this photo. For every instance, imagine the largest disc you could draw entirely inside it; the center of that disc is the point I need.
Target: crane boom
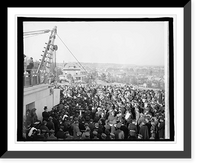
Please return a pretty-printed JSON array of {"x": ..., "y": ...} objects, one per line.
[
  {"x": 47, "y": 56},
  {"x": 36, "y": 32}
]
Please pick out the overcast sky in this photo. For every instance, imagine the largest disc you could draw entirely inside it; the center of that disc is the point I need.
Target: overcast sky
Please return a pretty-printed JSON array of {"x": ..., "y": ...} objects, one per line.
[{"x": 139, "y": 43}]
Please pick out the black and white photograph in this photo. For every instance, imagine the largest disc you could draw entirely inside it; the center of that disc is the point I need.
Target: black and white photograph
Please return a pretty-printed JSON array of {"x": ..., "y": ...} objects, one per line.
[{"x": 97, "y": 80}]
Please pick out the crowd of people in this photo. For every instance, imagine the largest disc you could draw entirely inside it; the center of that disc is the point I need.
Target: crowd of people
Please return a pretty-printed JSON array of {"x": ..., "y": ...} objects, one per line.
[{"x": 101, "y": 113}]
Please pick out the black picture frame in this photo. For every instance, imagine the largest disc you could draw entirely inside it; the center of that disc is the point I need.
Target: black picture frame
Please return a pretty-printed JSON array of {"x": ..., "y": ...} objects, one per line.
[{"x": 186, "y": 153}]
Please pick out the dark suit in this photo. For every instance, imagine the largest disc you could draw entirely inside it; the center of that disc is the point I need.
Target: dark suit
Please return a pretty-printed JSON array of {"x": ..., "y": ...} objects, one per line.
[{"x": 45, "y": 116}]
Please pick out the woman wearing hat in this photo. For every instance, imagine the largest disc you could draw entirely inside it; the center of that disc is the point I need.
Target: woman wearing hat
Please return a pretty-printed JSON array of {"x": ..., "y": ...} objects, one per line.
[
  {"x": 144, "y": 131},
  {"x": 95, "y": 135},
  {"x": 76, "y": 129},
  {"x": 86, "y": 135},
  {"x": 112, "y": 136},
  {"x": 52, "y": 135},
  {"x": 133, "y": 130},
  {"x": 161, "y": 128},
  {"x": 103, "y": 136},
  {"x": 50, "y": 124},
  {"x": 119, "y": 134},
  {"x": 34, "y": 117}
]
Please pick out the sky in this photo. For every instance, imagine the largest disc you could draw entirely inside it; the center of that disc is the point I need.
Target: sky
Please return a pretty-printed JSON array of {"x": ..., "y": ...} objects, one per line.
[{"x": 139, "y": 43}]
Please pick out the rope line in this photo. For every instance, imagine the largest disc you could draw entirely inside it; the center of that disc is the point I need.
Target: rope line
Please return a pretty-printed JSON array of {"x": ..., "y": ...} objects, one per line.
[{"x": 71, "y": 53}]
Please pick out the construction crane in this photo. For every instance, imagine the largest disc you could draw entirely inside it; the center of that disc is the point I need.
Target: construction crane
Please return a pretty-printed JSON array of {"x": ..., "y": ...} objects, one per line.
[
  {"x": 47, "y": 56},
  {"x": 48, "y": 53},
  {"x": 31, "y": 33}
]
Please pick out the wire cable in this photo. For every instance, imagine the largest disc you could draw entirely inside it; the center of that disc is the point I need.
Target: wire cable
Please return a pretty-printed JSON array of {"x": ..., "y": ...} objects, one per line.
[{"x": 71, "y": 53}]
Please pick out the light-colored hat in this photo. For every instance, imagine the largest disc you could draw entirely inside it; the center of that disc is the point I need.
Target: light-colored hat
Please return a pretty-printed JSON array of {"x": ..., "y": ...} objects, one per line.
[
  {"x": 103, "y": 136},
  {"x": 96, "y": 125},
  {"x": 95, "y": 132},
  {"x": 79, "y": 133}
]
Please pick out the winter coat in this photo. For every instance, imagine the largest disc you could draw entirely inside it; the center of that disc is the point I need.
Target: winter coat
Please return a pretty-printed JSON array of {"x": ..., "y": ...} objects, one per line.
[{"x": 144, "y": 132}]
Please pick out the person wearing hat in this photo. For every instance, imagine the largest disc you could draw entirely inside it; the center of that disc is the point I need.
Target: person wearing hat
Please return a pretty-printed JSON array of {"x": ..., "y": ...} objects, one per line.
[
  {"x": 132, "y": 135},
  {"x": 107, "y": 126},
  {"x": 34, "y": 117},
  {"x": 50, "y": 123},
  {"x": 91, "y": 125},
  {"x": 141, "y": 119},
  {"x": 96, "y": 126},
  {"x": 153, "y": 130},
  {"x": 52, "y": 135},
  {"x": 95, "y": 135},
  {"x": 86, "y": 135},
  {"x": 78, "y": 136},
  {"x": 44, "y": 127},
  {"x": 133, "y": 130},
  {"x": 75, "y": 127},
  {"x": 100, "y": 126},
  {"x": 31, "y": 132},
  {"x": 124, "y": 128},
  {"x": 45, "y": 114},
  {"x": 144, "y": 131},
  {"x": 112, "y": 136},
  {"x": 60, "y": 134},
  {"x": 68, "y": 136},
  {"x": 82, "y": 125},
  {"x": 39, "y": 136},
  {"x": 107, "y": 132},
  {"x": 28, "y": 118},
  {"x": 119, "y": 134},
  {"x": 30, "y": 66},
  {"x": 161, "y": 128},
  {"x": 103, "y": 136}
]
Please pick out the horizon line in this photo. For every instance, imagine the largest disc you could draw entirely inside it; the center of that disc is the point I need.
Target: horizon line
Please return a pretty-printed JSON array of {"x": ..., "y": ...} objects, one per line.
[{"x": 106, "y": 63}]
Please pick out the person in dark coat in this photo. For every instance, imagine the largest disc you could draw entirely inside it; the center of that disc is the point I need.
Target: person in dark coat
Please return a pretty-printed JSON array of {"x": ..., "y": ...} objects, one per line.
[
  {"x": 39, "y": 136},
  {"x": 132, "y": 135},
  {"x": 119, "y": 134},
  {"x": 82, "y": 125},
  {"x": 45, "y": 114},
  {"x": 44, "y": 129},
  {"x": 56, "y": 123},
  {"x": 30, "y": 66},
  {"x": 107, "y": 132},
  {"x": 34, "y": 117},
  {"x": 153, "y": 130},
  {"x": 144, "y": 131},
  {"x": 51, "y": 135},
  {"x": 95, "y": 135},
  {"x": 91, "y": 125},
  {"x": 124, "y": 129},
  {"x": 161, "y": 129},
  {"x": 28, "y": 118},
  {"x": 60, "y": 134},
  {"x": 133, "y": 130},
  {"x": 50, "y": 124},
  {"x": 68, "y": 136}
]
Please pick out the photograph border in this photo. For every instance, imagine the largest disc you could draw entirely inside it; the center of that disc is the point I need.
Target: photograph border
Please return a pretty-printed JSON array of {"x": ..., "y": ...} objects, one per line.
[
  {"x": 186, "y": 153},
  {"x": 170, "y": 68}
]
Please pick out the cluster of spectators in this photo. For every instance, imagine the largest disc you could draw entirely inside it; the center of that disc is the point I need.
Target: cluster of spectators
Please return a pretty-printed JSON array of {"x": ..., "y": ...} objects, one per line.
[{"x": 101, "y": 113}]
